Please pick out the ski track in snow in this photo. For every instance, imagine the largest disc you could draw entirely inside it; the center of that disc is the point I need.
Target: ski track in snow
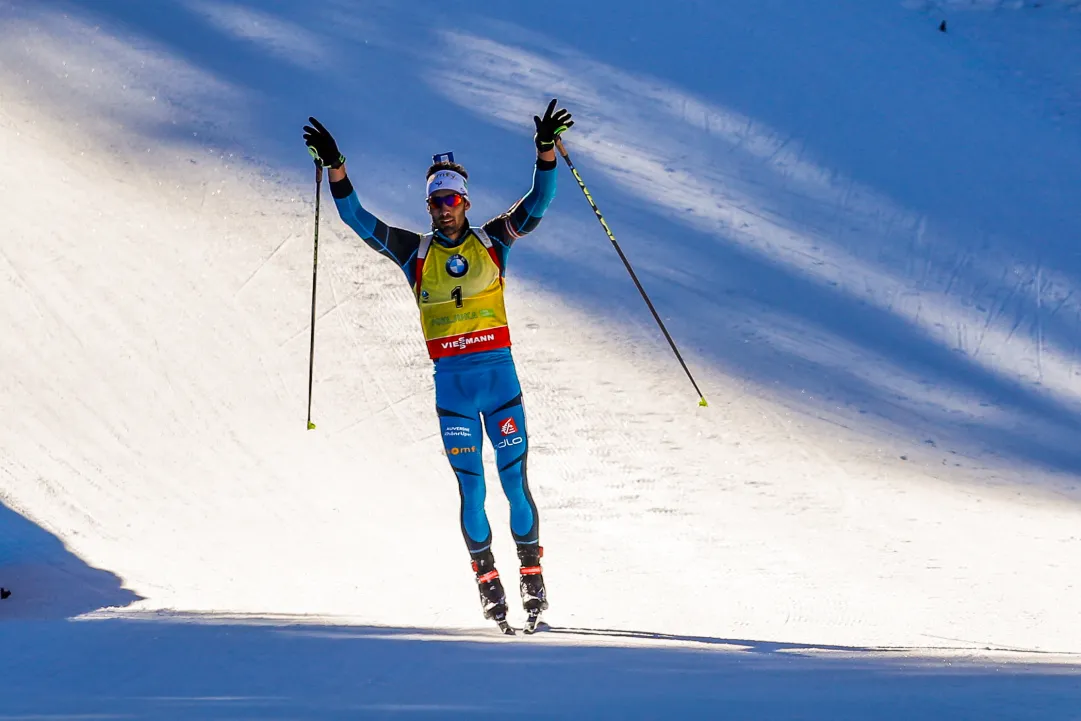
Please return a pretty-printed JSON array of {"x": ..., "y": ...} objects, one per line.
[{"x": 877, "y": 516}]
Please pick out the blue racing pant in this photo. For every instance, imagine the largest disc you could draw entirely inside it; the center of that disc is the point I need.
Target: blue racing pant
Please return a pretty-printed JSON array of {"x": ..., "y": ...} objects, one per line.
[{"x": 476, "y": 394}]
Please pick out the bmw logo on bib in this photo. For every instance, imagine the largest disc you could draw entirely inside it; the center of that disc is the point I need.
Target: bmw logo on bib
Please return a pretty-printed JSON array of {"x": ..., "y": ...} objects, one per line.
[{"x": 457, "y": 266}]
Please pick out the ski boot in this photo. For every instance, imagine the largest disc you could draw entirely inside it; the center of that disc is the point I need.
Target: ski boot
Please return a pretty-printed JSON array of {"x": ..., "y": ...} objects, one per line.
[
  {"x": 492, "y": 598},
  {"x": 534, "y": 598}
]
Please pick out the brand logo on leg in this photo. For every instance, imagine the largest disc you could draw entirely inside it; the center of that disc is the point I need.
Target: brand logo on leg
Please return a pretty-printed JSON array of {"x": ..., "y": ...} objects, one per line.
[{"x": 508, "y": 427}]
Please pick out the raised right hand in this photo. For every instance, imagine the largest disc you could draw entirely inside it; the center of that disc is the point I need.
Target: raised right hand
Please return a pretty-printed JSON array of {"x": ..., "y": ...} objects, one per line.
[{"x": 551, "y": 126}]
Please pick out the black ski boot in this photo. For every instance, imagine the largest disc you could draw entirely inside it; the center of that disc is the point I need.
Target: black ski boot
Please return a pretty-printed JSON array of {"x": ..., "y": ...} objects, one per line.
[
  {"x": 534, "y": 597},
  {"x": 492, "y": 598}
]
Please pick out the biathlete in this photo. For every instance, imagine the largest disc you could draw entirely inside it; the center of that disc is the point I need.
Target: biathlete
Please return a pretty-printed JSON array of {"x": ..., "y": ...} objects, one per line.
[{"x": 457, "y": 272}]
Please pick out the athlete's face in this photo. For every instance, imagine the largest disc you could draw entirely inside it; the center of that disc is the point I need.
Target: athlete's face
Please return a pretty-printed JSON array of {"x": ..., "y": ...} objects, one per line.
[{"x": 448, "y": 211}]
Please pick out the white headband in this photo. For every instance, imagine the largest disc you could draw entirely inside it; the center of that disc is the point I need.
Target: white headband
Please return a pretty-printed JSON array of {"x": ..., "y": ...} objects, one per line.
[{"x": 447, "y": 180}]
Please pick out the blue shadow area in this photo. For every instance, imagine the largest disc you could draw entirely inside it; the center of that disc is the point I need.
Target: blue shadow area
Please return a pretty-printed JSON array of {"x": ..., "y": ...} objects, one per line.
[
  {"x": 912, "y": 128},
  {"x": 191, "y": 668},
  {"x": 47, "y": 580}
]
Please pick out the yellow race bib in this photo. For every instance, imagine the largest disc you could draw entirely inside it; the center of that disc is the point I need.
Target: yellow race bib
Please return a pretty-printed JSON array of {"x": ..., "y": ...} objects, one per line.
[{"x": 460, "y": 294}]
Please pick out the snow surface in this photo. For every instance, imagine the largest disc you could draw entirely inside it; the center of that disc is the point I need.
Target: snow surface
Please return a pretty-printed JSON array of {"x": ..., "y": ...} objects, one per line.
[{"x": 861, "y": 231}]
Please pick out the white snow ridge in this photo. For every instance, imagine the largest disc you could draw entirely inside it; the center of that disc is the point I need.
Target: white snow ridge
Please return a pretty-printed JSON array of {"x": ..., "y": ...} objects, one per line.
[{"x": 861, "y": 231}]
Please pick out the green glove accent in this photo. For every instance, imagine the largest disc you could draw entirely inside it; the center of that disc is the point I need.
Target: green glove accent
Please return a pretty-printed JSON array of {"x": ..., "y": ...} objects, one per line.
[{"x": 335, "y": 165}]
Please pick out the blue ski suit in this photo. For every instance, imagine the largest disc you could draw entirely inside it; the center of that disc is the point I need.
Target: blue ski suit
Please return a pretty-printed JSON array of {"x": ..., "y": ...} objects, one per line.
[{"x": 476, "y": 393}]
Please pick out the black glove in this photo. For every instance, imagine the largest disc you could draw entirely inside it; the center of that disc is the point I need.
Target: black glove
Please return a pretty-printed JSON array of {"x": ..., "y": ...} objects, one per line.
[
  {"x": 322, "y": 146},
  {"x": 550, "y": 126}
]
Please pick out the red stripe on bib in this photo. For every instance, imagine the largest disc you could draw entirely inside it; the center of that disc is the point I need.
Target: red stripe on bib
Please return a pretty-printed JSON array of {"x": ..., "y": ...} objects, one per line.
[{"x": 474, "y": 342}]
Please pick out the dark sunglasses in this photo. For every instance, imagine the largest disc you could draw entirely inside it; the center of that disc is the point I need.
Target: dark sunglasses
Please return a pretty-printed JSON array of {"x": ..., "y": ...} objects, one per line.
[{"x": 451, "y": 201}]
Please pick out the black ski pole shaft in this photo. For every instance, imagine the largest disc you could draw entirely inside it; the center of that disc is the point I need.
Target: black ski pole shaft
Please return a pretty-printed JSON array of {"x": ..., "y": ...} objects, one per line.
[
  {"x": 634, "y": 277},
  {"x": 315, "y": 276}
]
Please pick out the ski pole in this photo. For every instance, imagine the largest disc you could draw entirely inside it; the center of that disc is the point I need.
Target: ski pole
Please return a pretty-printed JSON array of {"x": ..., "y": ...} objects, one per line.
[
  {"x": 645, "y": 297},
  {"x": 315, "y": 272}
]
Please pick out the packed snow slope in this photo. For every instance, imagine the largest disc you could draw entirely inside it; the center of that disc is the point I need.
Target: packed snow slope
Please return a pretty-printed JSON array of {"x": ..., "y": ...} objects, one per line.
[{"x": 861, "y": 231}]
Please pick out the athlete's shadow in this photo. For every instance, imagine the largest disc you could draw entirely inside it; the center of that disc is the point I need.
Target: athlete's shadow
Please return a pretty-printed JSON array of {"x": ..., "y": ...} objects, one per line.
[
  {"x": 758, "y": 646},
  {"x": 742, "y": 644}
]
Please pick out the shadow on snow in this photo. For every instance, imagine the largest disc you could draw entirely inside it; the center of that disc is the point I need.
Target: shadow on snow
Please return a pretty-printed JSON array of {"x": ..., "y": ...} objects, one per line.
[
  {"x": 192, "y": 668},
  {"x": 47, "y": 580}
]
